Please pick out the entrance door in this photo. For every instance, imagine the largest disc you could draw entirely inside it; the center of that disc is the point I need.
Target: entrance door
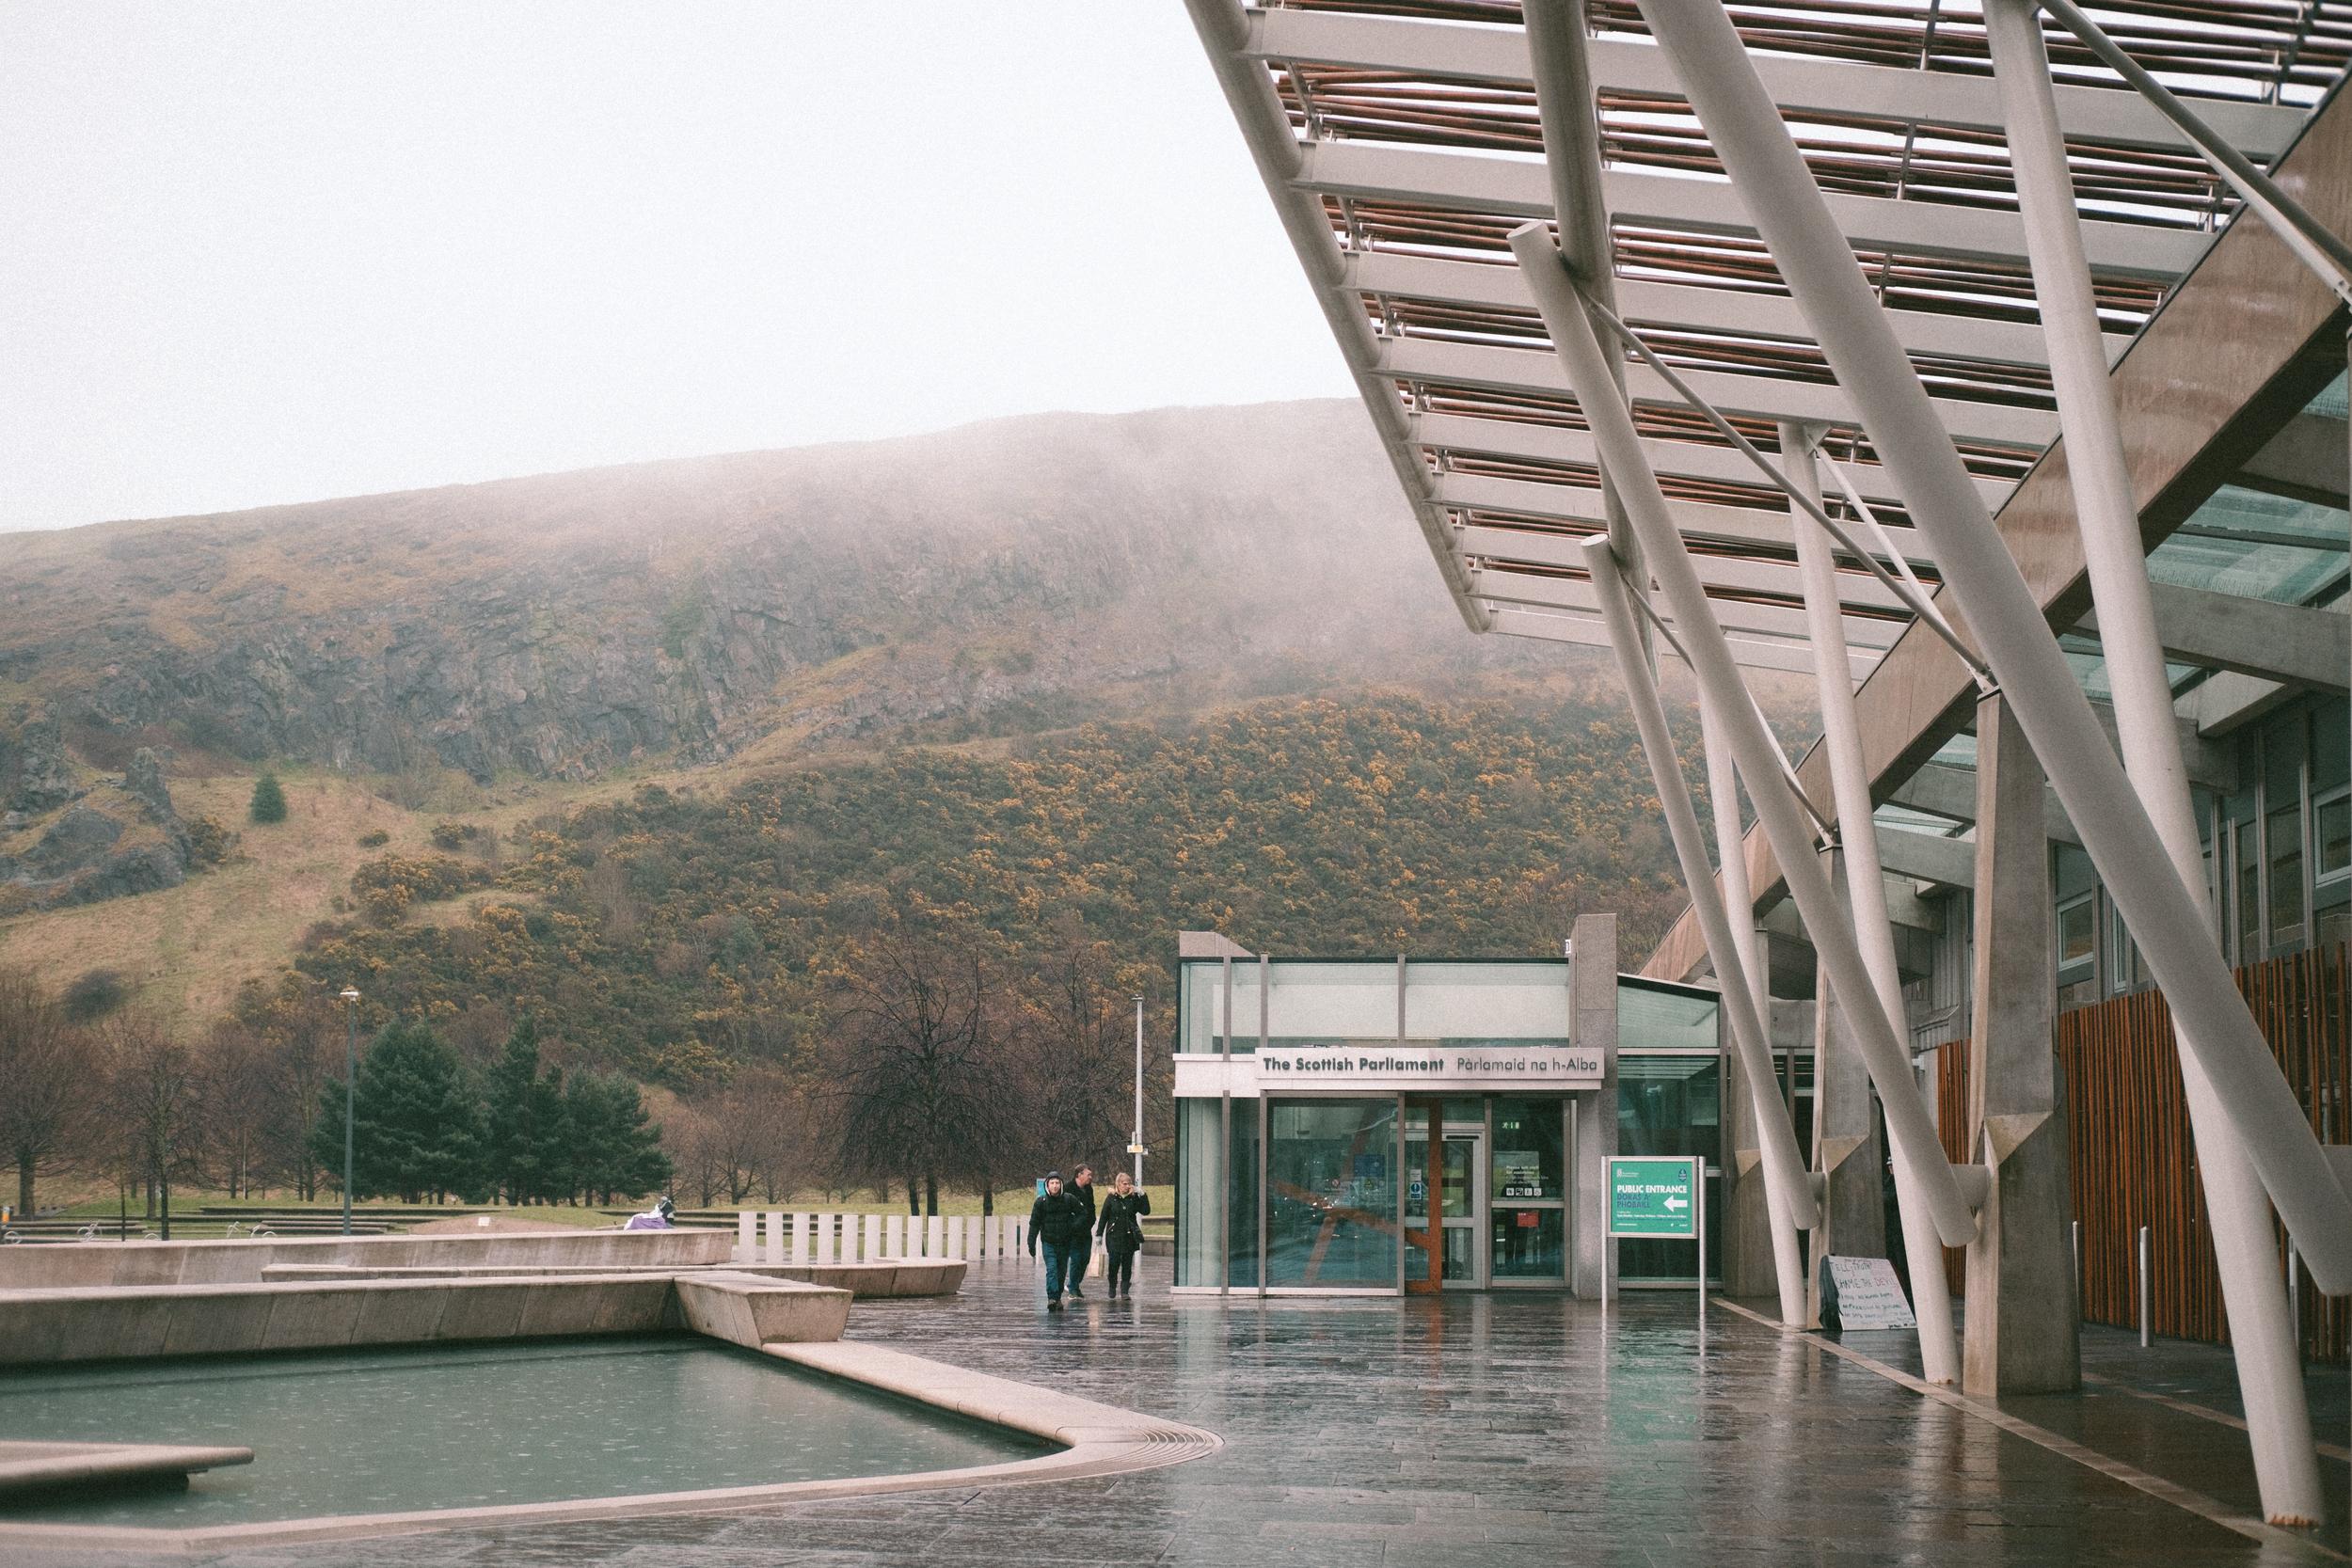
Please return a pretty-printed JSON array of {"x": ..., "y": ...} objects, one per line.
[
  {"x": 1445, "y": 1199},
  {"x": 1424, "y": 1165},
  {"x": 1459, "y": 1194}
]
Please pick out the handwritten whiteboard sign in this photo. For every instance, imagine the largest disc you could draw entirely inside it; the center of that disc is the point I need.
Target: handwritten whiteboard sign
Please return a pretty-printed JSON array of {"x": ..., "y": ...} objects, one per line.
[{"x": 1863, "y": 1292}]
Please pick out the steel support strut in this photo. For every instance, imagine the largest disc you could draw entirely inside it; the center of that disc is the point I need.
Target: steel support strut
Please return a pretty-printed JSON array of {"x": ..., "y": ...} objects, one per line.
[
  {"x": 1818, "y": 263},
  {"x": 1787, "y": 1191},
  {"x": 2262, "y": 1330},
  {"x": 1866, "y": 888},
  {"x": 1754, "y": 752}
]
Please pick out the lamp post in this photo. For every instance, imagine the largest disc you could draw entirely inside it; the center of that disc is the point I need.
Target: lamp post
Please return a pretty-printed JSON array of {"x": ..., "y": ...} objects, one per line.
[
  {"x": 1137, "y": 1148},
  {"x": 351, "y": 1073}
]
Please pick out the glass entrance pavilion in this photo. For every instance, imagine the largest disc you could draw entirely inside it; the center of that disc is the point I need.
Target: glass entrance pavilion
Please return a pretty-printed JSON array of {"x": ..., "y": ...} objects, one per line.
[{"x": 1389, "y": 1126}]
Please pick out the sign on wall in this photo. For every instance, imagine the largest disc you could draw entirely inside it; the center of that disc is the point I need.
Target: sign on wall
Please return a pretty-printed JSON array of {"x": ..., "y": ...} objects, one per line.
[{"x": 1389, "y": 1066}]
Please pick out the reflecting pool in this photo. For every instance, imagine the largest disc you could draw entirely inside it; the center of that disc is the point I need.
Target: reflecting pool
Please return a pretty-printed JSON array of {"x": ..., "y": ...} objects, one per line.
[{"x": 472, "y": 1426}]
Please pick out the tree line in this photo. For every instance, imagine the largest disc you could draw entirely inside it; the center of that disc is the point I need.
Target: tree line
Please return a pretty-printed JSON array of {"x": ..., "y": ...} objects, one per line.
[
  {"x": 943, "y": 1059},
  {"x": 255, "y": 1104},
  {"x": 425, "y": 1128}
]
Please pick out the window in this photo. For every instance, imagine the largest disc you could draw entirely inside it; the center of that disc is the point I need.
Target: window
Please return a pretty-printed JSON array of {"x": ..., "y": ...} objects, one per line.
[
  {"x": 2332, "y": 837},
  {"x": 2126, "y": 971},
  {"x": 2077, "y": 944},
  {"x": 1332, "y": 1194},
  {"x": 2247, "y": 856}
]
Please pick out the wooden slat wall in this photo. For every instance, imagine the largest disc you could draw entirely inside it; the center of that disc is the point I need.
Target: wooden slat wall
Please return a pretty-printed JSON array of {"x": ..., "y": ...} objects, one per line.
[
  {"x": 1951, "y": 1125},
  {"x": 2134, "y": 1159}
]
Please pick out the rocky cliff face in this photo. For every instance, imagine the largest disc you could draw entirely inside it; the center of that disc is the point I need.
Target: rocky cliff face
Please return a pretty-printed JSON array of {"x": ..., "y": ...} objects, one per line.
[
  {"x": 1007, "y": 576},
  {"x": 90, "y": 841}
]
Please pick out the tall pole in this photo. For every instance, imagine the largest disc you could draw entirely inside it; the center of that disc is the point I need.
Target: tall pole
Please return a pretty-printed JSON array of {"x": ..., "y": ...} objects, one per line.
[
  {"x": 2262, "y": 1329},
  {"x": 1816, "y": 261},
  {"x": 1137, "y": 1151},
  {"x": 1788, "y": 1195},
  {"x": 1754, "y": 752},
  {"x": 1866, "y": 888},
  {"x": 351, "y": 1073}
]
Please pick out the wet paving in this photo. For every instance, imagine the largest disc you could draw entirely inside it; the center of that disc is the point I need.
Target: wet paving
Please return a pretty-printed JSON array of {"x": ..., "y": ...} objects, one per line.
[{"x": 1476, "y": 1429}]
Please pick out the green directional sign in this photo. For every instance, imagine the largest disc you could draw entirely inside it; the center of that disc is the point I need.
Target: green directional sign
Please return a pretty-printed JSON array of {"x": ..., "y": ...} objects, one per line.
[{"x": 1654, "y": 1198}]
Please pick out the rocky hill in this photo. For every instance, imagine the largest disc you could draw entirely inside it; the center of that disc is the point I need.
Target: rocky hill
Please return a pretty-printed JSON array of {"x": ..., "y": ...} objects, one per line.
[{"x": 1009, "y": 577}]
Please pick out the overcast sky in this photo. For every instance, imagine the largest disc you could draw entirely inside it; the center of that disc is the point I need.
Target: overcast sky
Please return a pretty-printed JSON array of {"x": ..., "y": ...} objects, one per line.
[{"x": 259, "y": 252}]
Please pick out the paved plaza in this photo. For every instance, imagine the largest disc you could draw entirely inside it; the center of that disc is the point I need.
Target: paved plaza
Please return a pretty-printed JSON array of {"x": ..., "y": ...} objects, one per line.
[{"x": 1492, "y": 1430}]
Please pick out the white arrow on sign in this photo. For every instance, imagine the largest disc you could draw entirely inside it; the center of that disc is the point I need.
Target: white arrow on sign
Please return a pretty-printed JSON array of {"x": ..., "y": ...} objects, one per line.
[{"x": 1677, "y": 1203}]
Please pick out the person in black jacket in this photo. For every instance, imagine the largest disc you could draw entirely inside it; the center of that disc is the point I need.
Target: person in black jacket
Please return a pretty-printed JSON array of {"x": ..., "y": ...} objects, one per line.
[
  {"x": 1057, "y": 1222},
  {"x": 1122, "y": 1229},
  {"x": 1082, "y": 1188}
]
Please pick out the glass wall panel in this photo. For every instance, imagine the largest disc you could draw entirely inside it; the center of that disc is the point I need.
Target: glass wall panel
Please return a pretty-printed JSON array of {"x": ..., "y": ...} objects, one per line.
[
  {"x": 1322, "y": 1002},
  {"x": 1200, "y": 1005},
  {"x": 1332, "y": 1194},
  {"x": 1643, "y": 1260},
  {"x": 1486, "y": 1002},
  {"x": 1529, "y": 1159},
  {"x": 2246, "y": 851},
  {"x": 2282, "y": 806},
  {"x": 1199, "y": 1190},
  {"x": 1529, "y": 1243},
  {"x": 1669, "y": 1105},
  {"x": 1240, "y": 1235},
  {"x": 1650, "y": 1019}
]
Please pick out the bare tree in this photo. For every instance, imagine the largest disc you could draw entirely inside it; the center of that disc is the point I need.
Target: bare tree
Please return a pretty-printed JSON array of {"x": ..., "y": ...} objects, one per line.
[
  {"x": 1082, "y": 1010},
  {"x": 688, "y": 1138},
  {"x": 153, "y": 1104},
  {"x": 239, "y": 1092},
  {"x": 47, "y": 1092},
  {"x": 915, "y": 1062}
]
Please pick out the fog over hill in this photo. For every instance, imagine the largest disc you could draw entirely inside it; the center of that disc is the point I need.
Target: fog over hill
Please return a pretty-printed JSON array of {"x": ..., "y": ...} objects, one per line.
[{"x": 1003, "y": 577}]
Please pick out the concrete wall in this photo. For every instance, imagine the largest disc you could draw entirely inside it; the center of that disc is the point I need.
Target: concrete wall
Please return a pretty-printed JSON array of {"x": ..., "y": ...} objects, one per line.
[
  {"x": 43, "y": 1327},
  {"x": 124, "y": 1263}
]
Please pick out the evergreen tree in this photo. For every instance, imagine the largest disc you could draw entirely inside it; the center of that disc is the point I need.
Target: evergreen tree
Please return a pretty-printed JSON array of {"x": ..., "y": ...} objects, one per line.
[
  {"x": 615, "y": 1148},
  {"x": 269, "y": 801},
  {"x": 547, "y": 1114},
  {"x": 416, "y": 1130},
  {"x": 523, "y": 1131}
]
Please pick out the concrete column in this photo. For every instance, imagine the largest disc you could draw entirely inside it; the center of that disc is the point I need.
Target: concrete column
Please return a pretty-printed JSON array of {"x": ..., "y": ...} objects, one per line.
[
  {"x": 2022, "y": 1314},
  {"x": 2230, "y": 1145},
  {"x": 1593, "y": 998},
  {"x": 1747, "y": 1256},
  {"x": 1847, "y": 1161}
]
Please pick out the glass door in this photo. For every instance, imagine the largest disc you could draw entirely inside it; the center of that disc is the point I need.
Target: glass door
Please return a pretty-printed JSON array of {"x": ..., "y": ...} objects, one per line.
[
  {"x": 1425, "y": 1243},
  {"x": 1528, "y": 1231},
  {"x": 1458, "y": 1195}
]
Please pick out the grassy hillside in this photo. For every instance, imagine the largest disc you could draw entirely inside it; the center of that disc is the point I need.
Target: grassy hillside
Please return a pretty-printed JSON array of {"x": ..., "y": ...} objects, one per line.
[{"x": 673, "y": 933}]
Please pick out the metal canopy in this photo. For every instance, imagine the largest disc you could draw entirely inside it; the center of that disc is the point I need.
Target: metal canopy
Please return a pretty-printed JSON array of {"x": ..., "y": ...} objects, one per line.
[{"x": 1401, "y": 139}]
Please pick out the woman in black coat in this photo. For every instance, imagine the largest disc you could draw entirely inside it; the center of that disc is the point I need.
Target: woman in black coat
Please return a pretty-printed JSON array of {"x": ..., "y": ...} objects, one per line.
[{"x": 1120, "y": 1226}]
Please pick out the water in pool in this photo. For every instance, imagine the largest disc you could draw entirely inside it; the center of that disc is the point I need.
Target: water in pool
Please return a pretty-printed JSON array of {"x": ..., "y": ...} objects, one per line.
[{"x": 389, "y": 1430}]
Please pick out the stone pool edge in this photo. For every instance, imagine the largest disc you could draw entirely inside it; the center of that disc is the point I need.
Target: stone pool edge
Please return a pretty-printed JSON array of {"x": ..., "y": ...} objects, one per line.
[{"x": 1100, "y": 1440}]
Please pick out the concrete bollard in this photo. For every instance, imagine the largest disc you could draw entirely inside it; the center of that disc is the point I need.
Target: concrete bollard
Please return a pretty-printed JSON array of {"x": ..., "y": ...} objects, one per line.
[
  {"x": 802, "y": 1235},
  {"x": 774, "y": 1251},
  {"x": 2147, "y": 1292},
  {"x": 898, "y": 1236},
  {"x": 934, "y": 1237},
  {"x": 746, "y": 1237},
  {"x": 955, "y": 1237},
  {"x": 873, "y": 1238}
]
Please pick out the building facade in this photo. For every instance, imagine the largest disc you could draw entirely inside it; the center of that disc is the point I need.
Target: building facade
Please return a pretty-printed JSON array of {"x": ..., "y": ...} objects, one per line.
[{"x": 1392, "y": 1126}]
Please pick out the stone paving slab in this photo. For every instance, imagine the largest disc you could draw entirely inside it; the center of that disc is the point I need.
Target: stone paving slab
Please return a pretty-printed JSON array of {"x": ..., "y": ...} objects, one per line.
[{"x": 1491, "y": 1431}]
